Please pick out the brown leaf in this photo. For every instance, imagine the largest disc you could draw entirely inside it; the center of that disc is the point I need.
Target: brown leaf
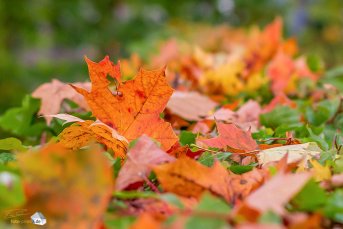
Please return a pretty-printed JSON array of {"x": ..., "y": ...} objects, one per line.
[
  {"x": 242, "y": 185},
  {"x": 187, "y": 177}
]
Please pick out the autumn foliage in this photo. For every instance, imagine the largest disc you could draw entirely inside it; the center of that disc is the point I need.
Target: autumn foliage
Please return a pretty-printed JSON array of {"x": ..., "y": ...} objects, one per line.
[{"x": 237, "y": 130}]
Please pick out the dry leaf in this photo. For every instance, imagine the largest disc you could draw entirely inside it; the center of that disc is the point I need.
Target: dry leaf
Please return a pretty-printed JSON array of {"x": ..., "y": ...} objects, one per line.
[
  {"x": 187, "y": 177},
  {"x": 246, "y": 117},
  {"x": 275, "y": 193},
  {"x": 190, "y": 105},
  {"x": 134, "y": 108},
  {"x": 232, "y": 137},
  {"x": 242, "y": 185},
  {"x": 83, "y": 133},
  {"x": 296, "y": 153},
  {"x": 66, "y": 117},
  {"x": 52, "y": 95},
  {"x": 140, "y": 160}
]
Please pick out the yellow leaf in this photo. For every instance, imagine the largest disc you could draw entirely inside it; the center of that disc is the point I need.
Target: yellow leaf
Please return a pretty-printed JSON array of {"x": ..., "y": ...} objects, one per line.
[
  {"x": 320, "y": 172},
  {"x": 82, "y": 133}
]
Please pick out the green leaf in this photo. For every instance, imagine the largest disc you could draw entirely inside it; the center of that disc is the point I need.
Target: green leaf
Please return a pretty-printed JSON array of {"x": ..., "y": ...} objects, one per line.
[
  {"x": 240, "y": 169},
  {"x": 270, "y": 218},
  {"x": 116, "y": 166},
  {"x": 11, "y": 144},
  {"x": 187, "y": 138},
  {"x": 334, "y": 77},
  {"x": 115, "y": 162},
  {"x": 327, "y": 157},
  {"x": 6, "y": 157},
  {"x": 323, "y": 111},
  {"x": 298, "y": 128},
  {"x": 338, "y": 122},
  {"x": 133, "y": 194},
  {"x": 21, "y": 120},
  {"x": 310, "y": 198},
  {"x": 338, "y": 165},
  {"x": 172, "y": 199},
  {"x": 315, "y": 138},
  {"x": 118, "y": 222},
  {"x": 334, "y": 206},
  {"x": 263, "y": 134},
  {"x": 209, "y": 204},
  {"x": 223, "y": 156},
  {"x": 280, "y": 115},
  {"x": 132, "y": 143},
  {"x": 11, "y": 190},
  {"x": 314, "y": 63},
  {"x": 206, "y": 158}
]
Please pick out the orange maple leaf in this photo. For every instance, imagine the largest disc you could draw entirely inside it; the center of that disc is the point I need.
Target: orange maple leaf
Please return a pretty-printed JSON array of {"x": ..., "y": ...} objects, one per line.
[
  {"x": 233, "y": 138},
  {"x": 187, "y": 177},
  {"x": 263, "y": 46},
  {"x": 134, "y": 108}
]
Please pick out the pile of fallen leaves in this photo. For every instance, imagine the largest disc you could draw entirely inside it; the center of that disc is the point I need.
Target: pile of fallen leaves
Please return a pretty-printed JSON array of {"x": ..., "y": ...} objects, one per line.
[{"x": 238, "y": 130}]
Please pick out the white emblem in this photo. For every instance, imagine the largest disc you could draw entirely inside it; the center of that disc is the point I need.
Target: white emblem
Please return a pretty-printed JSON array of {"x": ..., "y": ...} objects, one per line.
[{"x": 38, "y": 218}]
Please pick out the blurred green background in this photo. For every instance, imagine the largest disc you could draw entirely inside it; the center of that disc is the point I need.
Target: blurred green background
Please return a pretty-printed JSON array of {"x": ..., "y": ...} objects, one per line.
[{"x": 45, "y": 39}]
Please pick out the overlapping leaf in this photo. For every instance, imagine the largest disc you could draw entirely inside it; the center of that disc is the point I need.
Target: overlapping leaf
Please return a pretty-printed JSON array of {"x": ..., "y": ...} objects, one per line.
[
  {"x": 231, "y": 137},
  {"x": 140, "y": 159},
  {"x": 187, "y": 177}
]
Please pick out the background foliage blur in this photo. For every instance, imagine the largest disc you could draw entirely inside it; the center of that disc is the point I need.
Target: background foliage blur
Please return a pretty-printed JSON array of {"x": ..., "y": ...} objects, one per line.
[{"x": 40, "y": 40}]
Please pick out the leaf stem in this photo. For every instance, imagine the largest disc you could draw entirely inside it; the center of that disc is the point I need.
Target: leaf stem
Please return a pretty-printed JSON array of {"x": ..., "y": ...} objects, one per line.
[{"x": 149, "y": 183}]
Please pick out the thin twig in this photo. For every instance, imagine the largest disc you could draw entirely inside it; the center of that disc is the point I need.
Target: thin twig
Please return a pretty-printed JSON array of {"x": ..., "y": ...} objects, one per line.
[
  {"x": 149, "y": 183},
  {"x": 251, "y": 153},
  {"x": 209, "y": 150}
]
